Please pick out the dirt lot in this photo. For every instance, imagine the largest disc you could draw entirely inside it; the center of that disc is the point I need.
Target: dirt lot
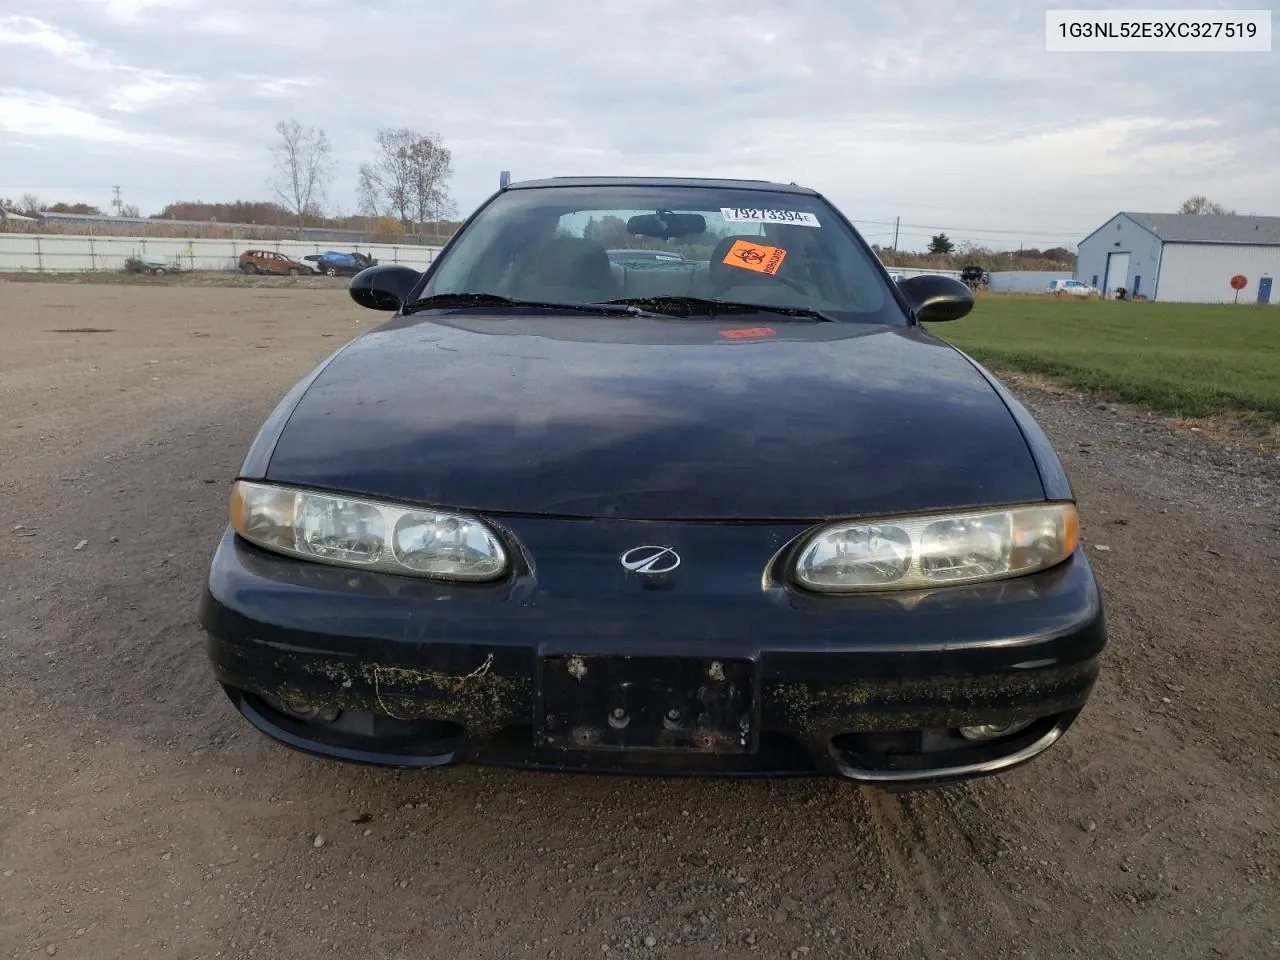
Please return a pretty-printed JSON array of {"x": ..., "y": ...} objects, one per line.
[{"x": 139, "y": 816}]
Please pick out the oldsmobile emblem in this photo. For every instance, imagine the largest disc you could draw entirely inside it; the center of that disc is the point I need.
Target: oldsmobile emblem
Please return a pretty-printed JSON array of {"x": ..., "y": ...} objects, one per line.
[{"x": 651, "y": 559}]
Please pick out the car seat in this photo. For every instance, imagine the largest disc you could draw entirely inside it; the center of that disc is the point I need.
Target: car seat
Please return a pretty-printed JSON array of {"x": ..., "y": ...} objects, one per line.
[
  {"x": 723, "y": 277},
  {"x": 575, "y": 269}
]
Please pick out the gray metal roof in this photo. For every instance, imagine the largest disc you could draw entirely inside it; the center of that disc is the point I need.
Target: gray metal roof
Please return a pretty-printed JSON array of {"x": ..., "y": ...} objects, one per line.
[{"x": 1210, "y": 227}]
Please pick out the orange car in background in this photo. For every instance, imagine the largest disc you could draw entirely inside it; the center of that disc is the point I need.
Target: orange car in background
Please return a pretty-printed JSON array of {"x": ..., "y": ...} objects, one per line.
[{"x": 268, "y": 261}]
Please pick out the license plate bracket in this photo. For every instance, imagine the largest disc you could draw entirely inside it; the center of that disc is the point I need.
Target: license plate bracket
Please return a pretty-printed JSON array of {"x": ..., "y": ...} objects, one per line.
[{"x": 620, "y": 702}]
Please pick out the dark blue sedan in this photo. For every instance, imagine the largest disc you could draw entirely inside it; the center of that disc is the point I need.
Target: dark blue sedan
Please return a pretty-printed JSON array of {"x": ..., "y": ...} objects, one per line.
[
  {"x": 737, "y": 512},
  {"x": 332, "y": 263}
]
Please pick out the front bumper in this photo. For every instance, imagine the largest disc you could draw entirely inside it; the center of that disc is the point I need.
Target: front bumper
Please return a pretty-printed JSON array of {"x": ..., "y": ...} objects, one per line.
[{"x": 872, "y": 689}]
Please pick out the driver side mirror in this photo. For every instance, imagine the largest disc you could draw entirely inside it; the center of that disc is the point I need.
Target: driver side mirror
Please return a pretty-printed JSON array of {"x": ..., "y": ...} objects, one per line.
[
  {"x": 384, "y": 287},
  {"x": 934, "y": 297}
]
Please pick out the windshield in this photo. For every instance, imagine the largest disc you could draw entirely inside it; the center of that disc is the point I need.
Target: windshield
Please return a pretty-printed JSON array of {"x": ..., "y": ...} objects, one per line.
[{"x": 599, "y": 244}]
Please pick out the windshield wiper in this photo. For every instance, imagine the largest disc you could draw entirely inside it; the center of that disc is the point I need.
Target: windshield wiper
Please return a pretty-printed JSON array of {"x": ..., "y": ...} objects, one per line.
[
  {"x": 698, "y": 306},
  {"x": 463, "y": 301}
]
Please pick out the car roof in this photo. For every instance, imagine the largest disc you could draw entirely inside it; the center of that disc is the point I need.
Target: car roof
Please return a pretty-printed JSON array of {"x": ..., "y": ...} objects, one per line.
[{"x": 760, "y": 185}]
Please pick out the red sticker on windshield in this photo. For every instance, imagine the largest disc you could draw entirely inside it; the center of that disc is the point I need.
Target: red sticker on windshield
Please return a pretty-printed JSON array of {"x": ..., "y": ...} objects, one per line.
[{"x": 748, "y": 332}]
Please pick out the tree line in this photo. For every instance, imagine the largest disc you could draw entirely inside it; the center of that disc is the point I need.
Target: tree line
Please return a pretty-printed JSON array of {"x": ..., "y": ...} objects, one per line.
[
  {"x": 943, "y": 252},
  {"x": 1056, "y": 259},
  {"x": 407, "y": 179},
  {"x": 403, "y": 188},
  {"x": 30, "y": 205}
]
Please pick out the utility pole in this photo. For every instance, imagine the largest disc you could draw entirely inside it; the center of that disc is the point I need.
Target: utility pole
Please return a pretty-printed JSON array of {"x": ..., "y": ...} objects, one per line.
[
  {"x": 896, "y": 222},
  {"x": 117, "y": 202}
]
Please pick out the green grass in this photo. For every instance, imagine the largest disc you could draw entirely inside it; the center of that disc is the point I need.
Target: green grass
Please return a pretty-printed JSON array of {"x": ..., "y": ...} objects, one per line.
[{"x": 1191, "y": 360}]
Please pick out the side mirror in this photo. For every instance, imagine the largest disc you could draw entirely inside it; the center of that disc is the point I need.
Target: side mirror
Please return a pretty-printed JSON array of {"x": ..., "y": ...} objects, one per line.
[
  {"x": 934, "y": 297},
  {"x": 384, "y": 287}
]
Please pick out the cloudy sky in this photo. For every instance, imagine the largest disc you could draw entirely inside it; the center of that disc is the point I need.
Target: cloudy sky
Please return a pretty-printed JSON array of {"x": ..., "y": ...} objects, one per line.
[{"x": 949, "y": 116}]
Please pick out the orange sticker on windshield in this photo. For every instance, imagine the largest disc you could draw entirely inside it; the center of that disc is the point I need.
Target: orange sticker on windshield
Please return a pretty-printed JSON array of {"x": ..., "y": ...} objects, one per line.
[{"x": 755, "y": 256}]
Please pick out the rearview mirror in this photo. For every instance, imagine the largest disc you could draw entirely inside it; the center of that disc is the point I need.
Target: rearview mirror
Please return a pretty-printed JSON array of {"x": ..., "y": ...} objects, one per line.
[
  {"x": 934, "y": 297},
  {"x": 383, "y": 287},
  {"x": 664, "y": 225}
]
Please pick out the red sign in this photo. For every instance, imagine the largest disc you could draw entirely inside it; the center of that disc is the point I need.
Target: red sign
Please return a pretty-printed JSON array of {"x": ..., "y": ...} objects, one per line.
[
  {"x": 1239, "y": 281},
  {"x": 741, "y": 332}
]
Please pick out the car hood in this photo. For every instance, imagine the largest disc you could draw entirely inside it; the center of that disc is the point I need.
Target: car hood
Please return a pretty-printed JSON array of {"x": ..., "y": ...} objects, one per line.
[{"x": 656, "y": 419}]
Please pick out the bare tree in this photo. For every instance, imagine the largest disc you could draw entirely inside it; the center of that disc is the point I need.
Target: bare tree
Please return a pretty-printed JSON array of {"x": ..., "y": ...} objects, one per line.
[
  {"x": 1201, "y": 204},
  {"x": 408, "y": 178},
  {"x": 30, "y": 204},
  {"x": 303, "y": 168}
]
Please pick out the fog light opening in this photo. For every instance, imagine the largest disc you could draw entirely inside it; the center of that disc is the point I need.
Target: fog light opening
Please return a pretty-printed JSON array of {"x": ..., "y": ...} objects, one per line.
[
  {"x": 304, "y": 710},
  {"x": 993, "y": 731}
]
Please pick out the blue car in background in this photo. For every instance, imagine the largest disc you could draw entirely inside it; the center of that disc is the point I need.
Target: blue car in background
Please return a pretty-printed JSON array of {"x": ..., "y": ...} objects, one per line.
[{"x": 334, "y": 264}]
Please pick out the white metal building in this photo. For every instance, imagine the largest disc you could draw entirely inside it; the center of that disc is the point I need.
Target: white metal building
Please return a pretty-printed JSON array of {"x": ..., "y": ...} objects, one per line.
[{"x": 1184, "y": 257}]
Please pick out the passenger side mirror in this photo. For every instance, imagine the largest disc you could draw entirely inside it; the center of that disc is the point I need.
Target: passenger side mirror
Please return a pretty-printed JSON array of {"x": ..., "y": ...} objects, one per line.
[
  {"x": 383, "y": 287},
  {"x": 934, "y": 297}
]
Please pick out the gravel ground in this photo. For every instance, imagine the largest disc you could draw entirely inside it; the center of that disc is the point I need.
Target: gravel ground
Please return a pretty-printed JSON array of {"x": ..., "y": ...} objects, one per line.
[{"x": 139, "y": 816}]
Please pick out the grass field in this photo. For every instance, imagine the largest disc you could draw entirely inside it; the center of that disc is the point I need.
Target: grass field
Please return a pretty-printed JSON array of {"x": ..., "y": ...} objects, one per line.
[{"x": 1192, "y": 360}]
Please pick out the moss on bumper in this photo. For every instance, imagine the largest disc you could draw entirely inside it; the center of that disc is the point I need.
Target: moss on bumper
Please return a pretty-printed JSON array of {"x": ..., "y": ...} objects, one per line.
[
  {"x": 479, "y": 699},
  {"x": 934, "y": 702}
]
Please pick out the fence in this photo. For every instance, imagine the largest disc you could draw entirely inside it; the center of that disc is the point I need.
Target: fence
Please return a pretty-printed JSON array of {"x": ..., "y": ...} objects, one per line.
[
  {"x": 1025, "y": 281},
  {"x": 908, "y": 272},
  {"x": 55, "y": 253}
]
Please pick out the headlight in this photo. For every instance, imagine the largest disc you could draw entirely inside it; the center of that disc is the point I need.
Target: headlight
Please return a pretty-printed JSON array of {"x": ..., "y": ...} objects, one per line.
[
  {"x": 929, "y": 551},
  {"x": 367, "y": 534}
]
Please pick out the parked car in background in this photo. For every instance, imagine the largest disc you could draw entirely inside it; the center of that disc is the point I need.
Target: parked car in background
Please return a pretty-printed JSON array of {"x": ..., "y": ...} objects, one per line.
[
  {"x": 645, "y": 258},
  {"x": 152, "y": 265},
  {"x": 334, "y": 264},
  {"x": 268, "y": 261},
  {"x": 1076, "y": 288},
  {"x": 975, "y": 278}
]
